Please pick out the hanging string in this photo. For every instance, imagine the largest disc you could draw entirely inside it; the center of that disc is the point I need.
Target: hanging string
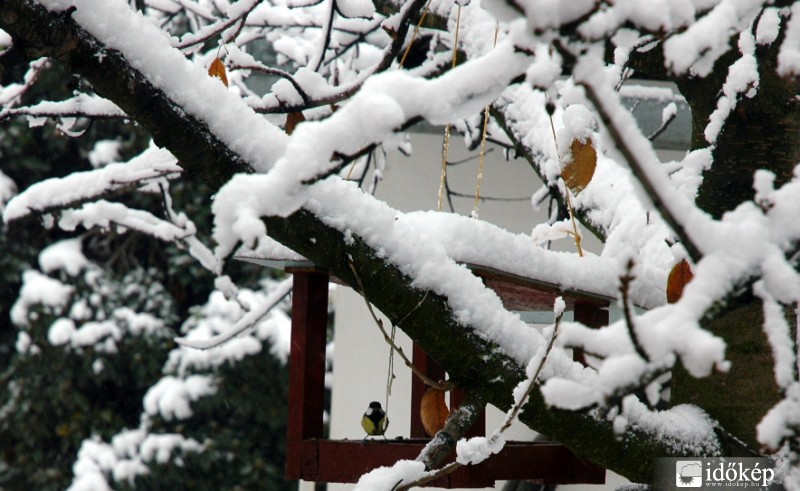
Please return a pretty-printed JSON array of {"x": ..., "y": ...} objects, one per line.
[
  {"x": 390, "y": 375},
  {"x": 414, "y": 34},
  {"x": 575, "y": 234},
  {"x": 482, "y": 159},
  {"x": 446, "y": 142}
]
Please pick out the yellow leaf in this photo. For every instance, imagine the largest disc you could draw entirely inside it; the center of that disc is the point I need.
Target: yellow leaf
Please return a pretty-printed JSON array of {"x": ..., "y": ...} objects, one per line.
[
  {"x": 578, "y": 172},
  {"x": 680, "y": 275},
  {"x": 217, "y": 69}
]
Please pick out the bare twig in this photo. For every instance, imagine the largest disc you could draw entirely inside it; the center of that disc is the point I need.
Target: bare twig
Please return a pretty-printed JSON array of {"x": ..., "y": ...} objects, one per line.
[
  {"x": 445, "y": 386},
  {"x": 261, "y": 68},
  {"x": 624, "y": 289},
  {"x": 213, "y": 30},
  {"x": 415, "y": 33},
  {"x": 247, "y": 321},
  {"x": 664, "y": 125},
  {"x": 511, "y": 415},
  {"x": 327, "y": 35}
]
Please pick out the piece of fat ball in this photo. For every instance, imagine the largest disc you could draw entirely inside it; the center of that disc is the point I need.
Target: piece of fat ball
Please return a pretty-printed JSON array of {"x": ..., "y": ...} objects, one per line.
[{"x": 374, "y": 420}]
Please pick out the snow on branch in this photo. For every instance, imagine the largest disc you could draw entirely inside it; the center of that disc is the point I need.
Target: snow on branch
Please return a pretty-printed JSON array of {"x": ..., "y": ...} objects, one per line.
[
  {"x": 107, "y": 215},
  {"x": 384, "y": 103},
  {"x": 82, "y": 105},
  {"x": 247, "y": 321},
  {"x": 81, "y": 187},
  {"x": 742, "y": 80},
  {"x": 789, "y": 55},
  {"x": 236, "y": 13},
  {"x": 685, "y": 219},
  {"x": 706, "y": 39},
  {"x": 10, "y": 95}
]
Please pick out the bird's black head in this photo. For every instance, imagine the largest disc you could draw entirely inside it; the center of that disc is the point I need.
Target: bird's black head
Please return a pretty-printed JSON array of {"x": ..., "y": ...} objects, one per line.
[{"x": 375, "y": 405}]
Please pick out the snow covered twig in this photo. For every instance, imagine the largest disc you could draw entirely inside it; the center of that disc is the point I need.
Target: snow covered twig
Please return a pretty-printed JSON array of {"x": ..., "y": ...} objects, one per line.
[{"x": 246, "y": 322}]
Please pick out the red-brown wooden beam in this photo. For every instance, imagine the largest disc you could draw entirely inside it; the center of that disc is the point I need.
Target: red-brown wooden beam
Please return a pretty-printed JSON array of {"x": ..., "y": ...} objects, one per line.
[
  {"x": 430, "y": 368},
  {"x": 591, "y": 314},
  {"x": 306, "y": 367},
  {"x": 345, "y": 461}
]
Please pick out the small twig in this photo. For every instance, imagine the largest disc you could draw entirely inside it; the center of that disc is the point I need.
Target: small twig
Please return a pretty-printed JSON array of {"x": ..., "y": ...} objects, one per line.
[
  {"x": 624, "y": 289},
  {"x": 212, "y": 30},
  {"x": 577, "y": 235},
  {"x": 326, "y": 35},
  {"x": 445, "y": 386},
  {"x": 278, "y": 72},
  {"x": 415, "y": 33},
  {"x": 664, "y": 125},
  {"x": 484, "y": 133},
  {"x": 247, "y": 321},
  {"x": 531, "y": 382},
  {"x": 490, "y": 198}
]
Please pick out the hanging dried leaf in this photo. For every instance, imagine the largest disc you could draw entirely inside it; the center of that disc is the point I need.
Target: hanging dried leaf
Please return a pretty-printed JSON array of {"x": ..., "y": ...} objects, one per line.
[
  {"x": 433, "y": 411},
  {"x": 680, "y": 275},
  {"x": 292, "y": 120},
  {"x": 579, "y": 170},
  {"x": 217, "y": 69}
]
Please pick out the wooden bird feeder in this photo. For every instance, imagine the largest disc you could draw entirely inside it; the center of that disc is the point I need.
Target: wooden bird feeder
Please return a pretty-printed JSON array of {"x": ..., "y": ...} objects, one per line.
[{"x": 311, "y": 457}]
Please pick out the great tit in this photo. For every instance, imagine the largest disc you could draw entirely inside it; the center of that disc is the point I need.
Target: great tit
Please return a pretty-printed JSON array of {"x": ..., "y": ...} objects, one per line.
[{"x": 374, "y": 420}]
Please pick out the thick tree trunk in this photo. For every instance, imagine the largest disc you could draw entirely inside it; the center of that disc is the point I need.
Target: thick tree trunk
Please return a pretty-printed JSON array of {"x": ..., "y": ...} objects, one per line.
[
  {"x": 473, "y": 362},
  {"x": 762, "y": 132}
]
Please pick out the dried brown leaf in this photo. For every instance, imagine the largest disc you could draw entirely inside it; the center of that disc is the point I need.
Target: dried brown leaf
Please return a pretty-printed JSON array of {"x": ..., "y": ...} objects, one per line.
[
  {"x": 680, "y": 275},
  {"x": 217, "y": 69},
  {"x": 292, "y": 120},
  {"x": 578, "y": 172}
]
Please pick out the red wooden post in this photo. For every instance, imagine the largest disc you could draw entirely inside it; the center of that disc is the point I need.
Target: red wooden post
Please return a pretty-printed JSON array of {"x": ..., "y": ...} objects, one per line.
[
  {"x": 306, "y": 366},
  {"x": 592, "y": 314},
  {"x": 418, "y": 388}
]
